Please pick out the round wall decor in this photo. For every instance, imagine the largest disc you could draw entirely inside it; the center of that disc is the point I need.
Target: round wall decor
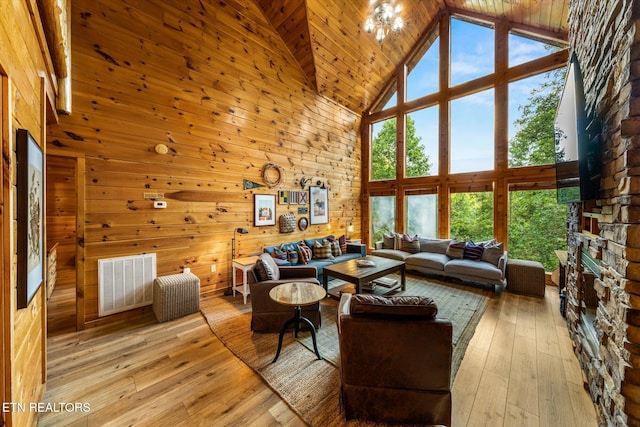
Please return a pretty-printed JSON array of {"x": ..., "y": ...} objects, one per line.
[
  {"x": 303, "y": 223},
  {"x": 272, "y": 174}
]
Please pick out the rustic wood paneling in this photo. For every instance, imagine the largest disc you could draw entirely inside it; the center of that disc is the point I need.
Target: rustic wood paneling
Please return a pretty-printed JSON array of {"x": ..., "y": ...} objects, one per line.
[
  {"x": 26, "y": 85},
  {"x": 61, "y": 215},
  {"x": 217, "y": 86},
  {"x": 348, "y": 65}
]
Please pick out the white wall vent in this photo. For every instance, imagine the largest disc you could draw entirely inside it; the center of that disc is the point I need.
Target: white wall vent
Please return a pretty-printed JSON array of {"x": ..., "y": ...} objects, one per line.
[{"x": 125, "y": 283}]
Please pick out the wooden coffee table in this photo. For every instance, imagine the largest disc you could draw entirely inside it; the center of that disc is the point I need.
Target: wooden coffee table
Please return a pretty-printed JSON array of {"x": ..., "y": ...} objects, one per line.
[{"x": 352, "y": 273}]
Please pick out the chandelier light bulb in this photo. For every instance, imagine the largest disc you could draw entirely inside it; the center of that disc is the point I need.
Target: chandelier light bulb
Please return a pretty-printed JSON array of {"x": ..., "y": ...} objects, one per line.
[
  {"x": 385, "y": 17},
  {"x": 397, "y": 24},
  {"x": 369, "y": 26}
]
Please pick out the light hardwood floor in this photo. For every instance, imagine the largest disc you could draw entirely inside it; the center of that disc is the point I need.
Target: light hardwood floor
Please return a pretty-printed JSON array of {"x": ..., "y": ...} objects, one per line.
[{"x": 519, "y": 370}]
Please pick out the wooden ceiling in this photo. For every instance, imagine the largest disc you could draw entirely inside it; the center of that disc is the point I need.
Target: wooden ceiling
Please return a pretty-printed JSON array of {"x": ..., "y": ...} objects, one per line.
[{"x": 344, "y": 63}]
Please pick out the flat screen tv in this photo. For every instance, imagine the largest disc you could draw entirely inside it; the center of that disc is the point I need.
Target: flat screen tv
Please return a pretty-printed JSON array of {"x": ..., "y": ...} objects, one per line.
[{"x": 577, "y": 154}]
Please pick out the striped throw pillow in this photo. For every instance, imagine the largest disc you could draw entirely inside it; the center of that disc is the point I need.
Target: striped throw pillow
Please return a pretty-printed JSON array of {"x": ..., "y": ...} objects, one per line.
[
  {"x": 473, "y": 251},
  {"x": 456, "y": 249},
  {"x": 409, "y": 244},
  {"x": 343, "y": 244},
  {"x": 304, "y": 253}
]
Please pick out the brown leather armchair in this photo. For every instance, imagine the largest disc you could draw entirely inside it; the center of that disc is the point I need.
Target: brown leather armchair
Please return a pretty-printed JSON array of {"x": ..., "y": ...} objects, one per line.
[
  {"x": 395, "y": 360},
  {"x": 269, "y": 316}
]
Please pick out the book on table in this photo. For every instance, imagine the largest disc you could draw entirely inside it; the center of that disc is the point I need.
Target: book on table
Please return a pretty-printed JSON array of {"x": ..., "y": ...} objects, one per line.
[{"x": 385, "y": 282}]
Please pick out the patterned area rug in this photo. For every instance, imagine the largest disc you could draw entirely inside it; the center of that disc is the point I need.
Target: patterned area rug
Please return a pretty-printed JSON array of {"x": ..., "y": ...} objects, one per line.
[{"x": 310, "y": 386}]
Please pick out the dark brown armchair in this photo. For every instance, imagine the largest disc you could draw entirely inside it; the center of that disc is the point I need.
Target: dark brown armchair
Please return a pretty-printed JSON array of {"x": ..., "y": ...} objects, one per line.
[
  {"x": 266, "y": 314},
  {"x": 395, "y": 360}
]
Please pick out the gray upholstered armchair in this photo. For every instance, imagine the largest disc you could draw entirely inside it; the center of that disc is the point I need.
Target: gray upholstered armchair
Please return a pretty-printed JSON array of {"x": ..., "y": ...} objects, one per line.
[
  {"x": 395, "y": 360},
  {"x": 266, "y": 314}
]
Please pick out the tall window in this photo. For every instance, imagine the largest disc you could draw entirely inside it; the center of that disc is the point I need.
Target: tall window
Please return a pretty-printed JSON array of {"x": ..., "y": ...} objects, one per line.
[
  {"x": 470, "y": 138},
  {"x": 383, "y": 150},
  {"x": 537, "y": 226},
  {"x": 472, "y": 134},
  {"x": 472, "y": 51},
  {"x": 472, "y": 216},
  {"x": 422, "y": 142},
  {"x": 383, "y": 216},
  {"x": 422, "y": 214}
]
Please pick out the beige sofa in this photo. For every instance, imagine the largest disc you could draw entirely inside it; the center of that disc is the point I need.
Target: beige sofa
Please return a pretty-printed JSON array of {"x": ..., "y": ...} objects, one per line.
[{"x": 432, "y": 259}]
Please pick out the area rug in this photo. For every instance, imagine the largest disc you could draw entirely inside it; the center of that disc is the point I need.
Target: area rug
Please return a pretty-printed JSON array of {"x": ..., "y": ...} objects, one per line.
[{"x": 310, "y": 386}]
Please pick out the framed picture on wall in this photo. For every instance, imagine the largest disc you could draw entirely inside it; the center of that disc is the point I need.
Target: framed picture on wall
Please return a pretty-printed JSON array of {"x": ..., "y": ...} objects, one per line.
[
  {"x": 319, "y": 209},
  {"x": 264, "y": 206},
  {"x": 30, "y": 212}
]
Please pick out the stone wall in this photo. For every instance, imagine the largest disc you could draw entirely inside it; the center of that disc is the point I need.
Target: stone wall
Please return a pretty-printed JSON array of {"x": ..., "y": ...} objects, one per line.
[{"x": 604, "y": 35}]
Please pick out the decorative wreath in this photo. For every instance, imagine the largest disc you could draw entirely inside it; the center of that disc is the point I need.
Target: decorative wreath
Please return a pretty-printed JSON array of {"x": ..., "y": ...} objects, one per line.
[{"x": 270, "y": 181}]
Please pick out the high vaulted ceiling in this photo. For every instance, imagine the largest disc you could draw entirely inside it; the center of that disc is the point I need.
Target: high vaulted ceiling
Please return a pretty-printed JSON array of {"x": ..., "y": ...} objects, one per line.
[{"x": 346, "y": 64}]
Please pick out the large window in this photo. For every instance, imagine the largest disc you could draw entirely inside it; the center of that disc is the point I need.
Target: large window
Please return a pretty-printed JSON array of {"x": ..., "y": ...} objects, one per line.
[
  {"x": 383, "y": 150},
  {"x": 537, "y": 226},
  {"x": 383, "y": 216},
  {"x": 472, "y": 216},
  {"x": 471, "y": 141},
  {"x": 472, "y": 134},
  {"x": 472, "y": 51},
  {"x": 532, "y": 107},
  {"x": 422, "y": 142},
  {"x": 422, "y": 214}
]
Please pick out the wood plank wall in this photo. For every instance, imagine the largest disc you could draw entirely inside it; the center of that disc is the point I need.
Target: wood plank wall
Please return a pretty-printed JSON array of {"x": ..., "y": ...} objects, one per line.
[
  {"x": 61, "y": 215},
  {"x": 215, "y": 83},
  {"x": 26, "y": 91}
]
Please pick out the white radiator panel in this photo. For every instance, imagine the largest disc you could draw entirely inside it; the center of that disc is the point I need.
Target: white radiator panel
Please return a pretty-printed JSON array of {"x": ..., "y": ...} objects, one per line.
[{"x": 125, "y": 283}]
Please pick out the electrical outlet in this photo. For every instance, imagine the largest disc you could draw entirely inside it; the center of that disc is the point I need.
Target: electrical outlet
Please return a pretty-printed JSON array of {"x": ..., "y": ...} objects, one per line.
[{"x": 213, "y": 268}]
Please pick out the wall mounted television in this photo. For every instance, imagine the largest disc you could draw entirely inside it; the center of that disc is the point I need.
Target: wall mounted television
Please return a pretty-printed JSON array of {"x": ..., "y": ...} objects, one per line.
[{"x": 577, "y": 142}]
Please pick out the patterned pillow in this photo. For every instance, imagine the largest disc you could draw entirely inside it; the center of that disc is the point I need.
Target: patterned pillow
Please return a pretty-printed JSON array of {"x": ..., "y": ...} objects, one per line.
[
  {"x": 293, "y": 256},
  {"x": 304, "y": 253},
  {"x": 343, "y": 244},
  {"x": 322, "y": 251},
  {"x": 279, "y": 253},
  {"x": 456, "y": 249},
  {"x": 335, "y": 247},
  {"x": 473, "y": 251},
  {"x": 409, "y": 244}
]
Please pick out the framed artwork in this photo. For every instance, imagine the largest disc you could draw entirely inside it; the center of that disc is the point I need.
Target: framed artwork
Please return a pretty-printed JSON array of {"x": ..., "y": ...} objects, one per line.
[
  {"x": 319, "y": 200},
  {"x": 264, "y": 207},
  {"x": 302, "y": 198},
  {"x": 303, "y": 223},
  {"x": 30, "y": 210}
]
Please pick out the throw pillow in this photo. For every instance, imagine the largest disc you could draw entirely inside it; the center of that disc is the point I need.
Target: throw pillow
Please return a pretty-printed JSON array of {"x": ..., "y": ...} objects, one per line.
[
  {"x": 322, "y": 251},
  {"x": 492, "y": 253},
  {"x": 388, "y": 241},
  {"x": 455, "y": 250},
  {"x": 335, "y": 247},
  {"x": 409, "y": 244},
  {"x": 271, "y": 269},
  {"x": 260, "y": 271},
  {"x": 473, "y": 251},
  {"x": 304, "y": 253},
  {"x": 279, "y": 253},
  {"x": 293, "y": 256},
  {"x": 414, "y": 306},
  {"x": 343, "y": 244}
]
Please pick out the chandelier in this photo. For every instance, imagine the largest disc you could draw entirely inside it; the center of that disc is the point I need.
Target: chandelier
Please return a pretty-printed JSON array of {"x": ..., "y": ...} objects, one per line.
[{"x": 385, "y": 17}]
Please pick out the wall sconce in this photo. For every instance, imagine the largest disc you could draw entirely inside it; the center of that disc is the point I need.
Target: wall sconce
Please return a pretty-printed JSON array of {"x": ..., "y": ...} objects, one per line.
[{"x": 349, "y": 229}]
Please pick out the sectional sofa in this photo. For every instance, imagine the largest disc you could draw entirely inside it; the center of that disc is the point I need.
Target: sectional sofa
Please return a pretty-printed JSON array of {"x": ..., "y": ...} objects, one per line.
[
  {"x": 429, "y": 256},
  {"x": 353, "y": 251}
]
